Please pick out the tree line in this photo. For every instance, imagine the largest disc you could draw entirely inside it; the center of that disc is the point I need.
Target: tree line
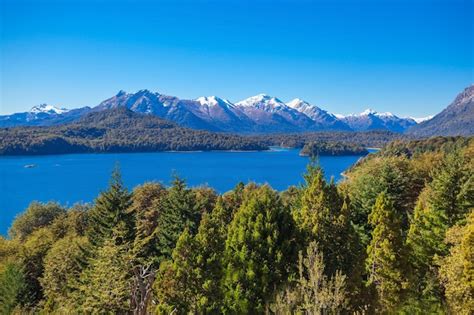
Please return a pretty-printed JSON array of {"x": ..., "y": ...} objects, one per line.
[{"x": 396, "y": 236}]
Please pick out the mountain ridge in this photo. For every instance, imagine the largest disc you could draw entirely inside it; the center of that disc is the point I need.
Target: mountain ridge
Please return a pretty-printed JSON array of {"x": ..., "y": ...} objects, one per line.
[{"x": 261, "y": 113}]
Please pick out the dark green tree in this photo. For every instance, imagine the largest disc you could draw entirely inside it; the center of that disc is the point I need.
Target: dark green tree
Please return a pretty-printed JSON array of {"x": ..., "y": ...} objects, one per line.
[
  {"x": 179, "y": 212},
  {"x": 12, "y": 288},
  {"x": 109, "y": 210},
  {"x": 259, "y": 252}
]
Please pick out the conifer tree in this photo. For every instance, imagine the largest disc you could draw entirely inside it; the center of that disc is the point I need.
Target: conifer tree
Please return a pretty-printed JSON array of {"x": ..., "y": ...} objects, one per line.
[
  {"x": 176, "y": 283},
  {"x": 146, "y": 207},
  {"x": 385, "y": 264},
  {"x": 457, "y": 269},
  {"x": 12, "y": 288},
  {"x": 197, "y": 266},
  {"x": 445, "y": 201},
  {"x": 258, "y": 252},
  {"x": 178, "y": 213},
  {"x": 104, "y": 286},
  {"x": 109, "y": 210}
]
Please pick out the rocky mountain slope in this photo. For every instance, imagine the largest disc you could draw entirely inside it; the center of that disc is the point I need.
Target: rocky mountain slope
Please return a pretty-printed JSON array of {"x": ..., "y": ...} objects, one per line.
[{"x": 456, "y": 120}]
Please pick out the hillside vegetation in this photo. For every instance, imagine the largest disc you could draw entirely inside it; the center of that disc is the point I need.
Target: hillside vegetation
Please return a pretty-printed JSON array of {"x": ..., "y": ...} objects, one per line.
[
  {"x": 395, "y": 237},
  {"x": 121, "y": 130}
]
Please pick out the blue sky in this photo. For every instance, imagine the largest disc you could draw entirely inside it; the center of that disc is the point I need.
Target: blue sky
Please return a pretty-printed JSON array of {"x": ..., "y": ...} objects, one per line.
[{"x": 407, "y": 57}]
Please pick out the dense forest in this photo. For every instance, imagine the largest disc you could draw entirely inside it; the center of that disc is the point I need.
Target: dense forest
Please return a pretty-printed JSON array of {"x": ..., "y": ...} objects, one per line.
[
  {"x": 396, "y": 236},
  {"x": 121, "y": 130},
  {"x": 315, "y": 149}
]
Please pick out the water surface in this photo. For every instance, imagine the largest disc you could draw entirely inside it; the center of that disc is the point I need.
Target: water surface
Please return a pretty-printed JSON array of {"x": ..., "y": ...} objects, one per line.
[{"x": 80, "y": 177}]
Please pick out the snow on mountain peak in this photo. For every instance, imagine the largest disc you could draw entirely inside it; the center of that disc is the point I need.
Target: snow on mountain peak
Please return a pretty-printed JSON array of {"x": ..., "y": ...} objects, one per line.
[
  {"x": 421, "y": 119},
  {"x": 46, "y": 108},
  {"x": 368, "y": 111},
  {"x": 261, "y": 100},
  {"x": 297, "y": 102},
  {"x": 212, "y": 101}
]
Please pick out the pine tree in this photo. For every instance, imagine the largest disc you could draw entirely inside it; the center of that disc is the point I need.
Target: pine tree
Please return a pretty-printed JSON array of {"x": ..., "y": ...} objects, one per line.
[
  {"x": 386, "y": 266},
  {"x": 259, "y": 252},
  {"x": 179, "y": 212},
  {"x": 109, "y": 210}
]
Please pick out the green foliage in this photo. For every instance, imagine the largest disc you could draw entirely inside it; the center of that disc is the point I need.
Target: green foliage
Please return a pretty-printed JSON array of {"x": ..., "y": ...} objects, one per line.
[
  {"x": 31, "y": 256},
  {"x": 63, "y": 265},
  {"x": 12, "y": 288},
  {"x": 258, "y": 252},
  {"x": 332, "y": 148},
  {"x": 408, "y": 217},
  {"x": 146, "y": 207},
  {"x": 313, "y": 292},
  {"x": 392, "y": 175},
  {"x": 104, "y": 287},
  {"x": 457, "y": 269},
  {"x": 36, "y": 215},
  {"x": 109, "y": 210},
  {"x": 386, "y": 260},
  {"x": 179, "y": 212}
]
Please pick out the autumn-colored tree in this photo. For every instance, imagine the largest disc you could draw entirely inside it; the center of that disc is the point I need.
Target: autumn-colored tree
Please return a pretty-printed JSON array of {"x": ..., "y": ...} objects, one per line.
[{"x": 457, "y": 269}]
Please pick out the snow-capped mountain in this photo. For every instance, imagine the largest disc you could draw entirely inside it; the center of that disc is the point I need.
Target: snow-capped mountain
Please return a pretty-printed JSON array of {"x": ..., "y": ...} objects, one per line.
[
  {"x": 322, "y": 119},
  {"x": 272, "y": 115},
  {"x": 47, "y": 109},
  {"x": 257, "y": 114},
  {"x": 43, "y": 114},
  {"x": 372, "y": 120}
]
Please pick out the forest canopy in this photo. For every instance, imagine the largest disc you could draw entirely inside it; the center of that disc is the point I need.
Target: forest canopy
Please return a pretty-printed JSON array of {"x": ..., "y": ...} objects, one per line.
[{"x": 394, "y": 237}]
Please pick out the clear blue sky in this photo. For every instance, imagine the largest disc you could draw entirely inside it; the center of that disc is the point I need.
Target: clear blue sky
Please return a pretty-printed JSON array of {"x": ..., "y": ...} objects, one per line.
[{"x": 407, "y": 57}]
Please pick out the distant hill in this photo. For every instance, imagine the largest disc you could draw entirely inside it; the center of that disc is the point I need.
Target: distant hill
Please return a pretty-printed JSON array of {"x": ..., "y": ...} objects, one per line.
[
  {"x": 117, "y": 130},
  {"x": 456, "y": 120}
]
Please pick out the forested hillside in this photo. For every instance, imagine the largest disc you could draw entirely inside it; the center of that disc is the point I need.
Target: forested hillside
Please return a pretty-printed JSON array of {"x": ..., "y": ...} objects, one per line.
[
  {"x": 117, "y": 130},
  {"x": 121, "y": 130},
  {"x": 396, "y": 236}
]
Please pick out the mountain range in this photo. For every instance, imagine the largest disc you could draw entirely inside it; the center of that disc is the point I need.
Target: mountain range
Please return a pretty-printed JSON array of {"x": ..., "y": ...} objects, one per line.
[{"x": 257, "y": 114}]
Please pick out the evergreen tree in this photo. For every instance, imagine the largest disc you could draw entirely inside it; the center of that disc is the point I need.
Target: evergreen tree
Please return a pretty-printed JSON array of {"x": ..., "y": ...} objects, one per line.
[
  {"x": 445, "y": 201},
  {"x": 176, "y": 283},
  {"x": 147, "y": 206},
  {"x": 259, "y": 251},
  {"x": 386, "y": 266},
  {"x": 323, "y": 215},
  {"x": 197, "y": 266},
  {"x": 12, "y": 288},
  {"x": 104, "y": 286},
  {"x": 110, "y": 208},
  {"x": 179, "y": 212}
]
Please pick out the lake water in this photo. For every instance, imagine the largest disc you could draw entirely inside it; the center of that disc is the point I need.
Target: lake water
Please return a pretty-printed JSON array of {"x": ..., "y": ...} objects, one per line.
[{"x": 80, "y": 177}]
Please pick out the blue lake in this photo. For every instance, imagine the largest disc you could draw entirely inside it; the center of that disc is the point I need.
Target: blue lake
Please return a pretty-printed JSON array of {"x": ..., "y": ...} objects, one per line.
[{"x": 73, "y": 178}]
